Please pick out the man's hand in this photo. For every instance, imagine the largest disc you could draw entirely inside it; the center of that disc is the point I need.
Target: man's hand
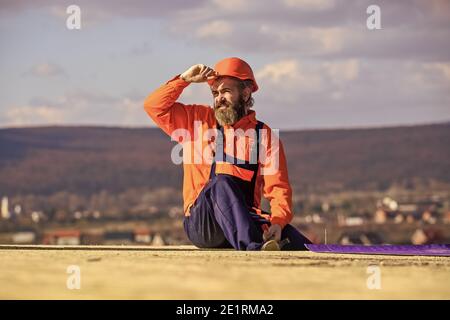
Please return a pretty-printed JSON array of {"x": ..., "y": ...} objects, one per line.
[
  {"x": 274, "y": 232},
  {"x": 199, "y": 73}
]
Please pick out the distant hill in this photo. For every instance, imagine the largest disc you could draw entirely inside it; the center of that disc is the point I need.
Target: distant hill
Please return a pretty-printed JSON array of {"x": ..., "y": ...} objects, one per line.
[{"x": 85, "y": 160}]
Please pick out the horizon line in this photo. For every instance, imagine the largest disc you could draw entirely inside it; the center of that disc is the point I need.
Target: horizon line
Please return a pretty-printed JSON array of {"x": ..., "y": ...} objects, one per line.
[{"x": 104, "y": 126}]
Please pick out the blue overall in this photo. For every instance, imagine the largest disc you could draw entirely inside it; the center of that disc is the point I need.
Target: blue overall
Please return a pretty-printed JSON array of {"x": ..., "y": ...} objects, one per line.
[{"x": 221, "y": 216}]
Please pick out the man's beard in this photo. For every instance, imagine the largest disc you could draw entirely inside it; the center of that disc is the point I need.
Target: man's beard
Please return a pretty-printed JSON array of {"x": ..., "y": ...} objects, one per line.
[{"x": 232, "y": 112}]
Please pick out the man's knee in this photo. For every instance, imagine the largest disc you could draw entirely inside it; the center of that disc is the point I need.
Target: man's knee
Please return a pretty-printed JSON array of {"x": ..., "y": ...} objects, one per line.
[
  {"x": 216, "y": 240},
  {"x": 225, "y": 187}
]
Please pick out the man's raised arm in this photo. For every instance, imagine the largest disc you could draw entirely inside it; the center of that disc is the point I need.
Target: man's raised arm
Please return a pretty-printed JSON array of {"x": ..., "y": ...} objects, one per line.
[{"x": 161, "y": 104}]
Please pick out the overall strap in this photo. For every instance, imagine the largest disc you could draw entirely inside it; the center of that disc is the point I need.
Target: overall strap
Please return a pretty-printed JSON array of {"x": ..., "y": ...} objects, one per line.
[
  {"x": 221, "y": 156},
  {"x": 258, "y": 129},
  {"x": 219, "y": 149}
]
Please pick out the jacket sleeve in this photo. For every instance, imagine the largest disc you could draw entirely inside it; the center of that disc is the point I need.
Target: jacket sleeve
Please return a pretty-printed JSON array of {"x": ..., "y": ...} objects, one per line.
[
  {"x": 276, "y": 186},
  {"x": 162, "y": 107}
]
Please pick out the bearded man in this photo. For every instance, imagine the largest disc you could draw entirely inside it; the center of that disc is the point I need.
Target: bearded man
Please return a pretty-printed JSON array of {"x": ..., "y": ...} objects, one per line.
[{"x": 222, "y": 197}]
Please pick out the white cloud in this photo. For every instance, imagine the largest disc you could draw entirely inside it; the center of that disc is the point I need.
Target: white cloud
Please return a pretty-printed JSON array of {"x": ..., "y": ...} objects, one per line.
[
  {"x": 443, "y": 68},
  {"x": 215, "y": 29},
  {"x": 78, "y": 107},
  {"x": 111, "y": 8},
  {"x": 233, "y": 5},
  {"x": 342, "y": 71},
  {"x": 294, "y": 93},
  {"x": 322, "y": 28},
  {"x": 330, "y": 39},
  {"x": 131, "y": 112},
  {"x": 278, "y": 71},
  {"x": 351, "y": 93},
  {"x": 33, "y": 115},
  {"x": 197, "y": 93},
  {"x": 46, "y": 70},
  {"x": 310, "y": 4},
  {"x": 337, "y": 95},
  {"x": 283, "y": 81},
  {"x": 308, "y": 77},
  {"x": 321, "y": 57},
  {"x": 305, "y": 40}
]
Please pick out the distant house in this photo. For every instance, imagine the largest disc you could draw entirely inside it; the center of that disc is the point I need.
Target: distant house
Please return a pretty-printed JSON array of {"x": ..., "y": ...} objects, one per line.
[
  {"x": 353, "y": 221},
  {"x": 380, "y": 216},
  {"x": 119, "y": 237},
  {"x": 427, "y": 236},
  {"x": 399, "y": 218},
  {"x": 425, "y": 211},
  {"x": 142, "y": 236},
  {"x": 412, "y": 217},
  {"x": 429, "y": 217},
  {"x": 37, "y": 216},
  {"x": 4, "y": 210},
  {"x": 175, "y": 211},
  {"x": 313, "y": 218},
  {"x": 24, "y": 237},
  {"x": 389, "y": 210},
  {"x": 317, "y": 218},
  {"x": 306, "y": 219},
  {"x": 419, "y": 237},
  {"x": 62, "y": 237},
  {"x": 384, "y": 216},
  {"x": 158, "y": 240},
  {"x": 407, "y": 208},
  {"x": 92, "y": 237},
  {"x": 446, "y": 217},
  {"x": 360, "y": 237}
]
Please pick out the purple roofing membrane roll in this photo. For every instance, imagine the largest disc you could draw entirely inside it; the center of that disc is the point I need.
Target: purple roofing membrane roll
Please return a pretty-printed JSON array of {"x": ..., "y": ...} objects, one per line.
[{"x": 404, "y": 250}]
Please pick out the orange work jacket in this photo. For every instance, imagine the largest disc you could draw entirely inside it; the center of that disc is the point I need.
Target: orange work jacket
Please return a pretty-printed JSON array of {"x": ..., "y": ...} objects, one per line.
[{"x": 189, "y": 125}]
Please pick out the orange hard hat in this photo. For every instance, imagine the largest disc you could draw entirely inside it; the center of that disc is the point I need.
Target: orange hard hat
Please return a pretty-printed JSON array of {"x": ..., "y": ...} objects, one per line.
[{"x": 235, "y": 67}]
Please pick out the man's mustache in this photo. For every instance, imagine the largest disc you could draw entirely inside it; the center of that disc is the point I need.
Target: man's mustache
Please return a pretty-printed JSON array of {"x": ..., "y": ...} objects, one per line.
[{"x": 223, "y": 104}]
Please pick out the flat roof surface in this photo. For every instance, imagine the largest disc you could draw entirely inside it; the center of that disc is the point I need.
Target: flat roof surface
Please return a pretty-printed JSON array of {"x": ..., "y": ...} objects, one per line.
[{"x": 185, "y": 272}]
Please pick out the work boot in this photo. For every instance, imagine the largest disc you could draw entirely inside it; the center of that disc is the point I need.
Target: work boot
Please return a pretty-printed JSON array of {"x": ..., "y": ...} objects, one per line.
[{"x": 270, "y": 245}]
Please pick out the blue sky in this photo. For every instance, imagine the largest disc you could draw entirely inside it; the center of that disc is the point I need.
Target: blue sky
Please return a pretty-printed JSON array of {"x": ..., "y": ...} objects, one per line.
[{"x": 317, "y": 64}]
